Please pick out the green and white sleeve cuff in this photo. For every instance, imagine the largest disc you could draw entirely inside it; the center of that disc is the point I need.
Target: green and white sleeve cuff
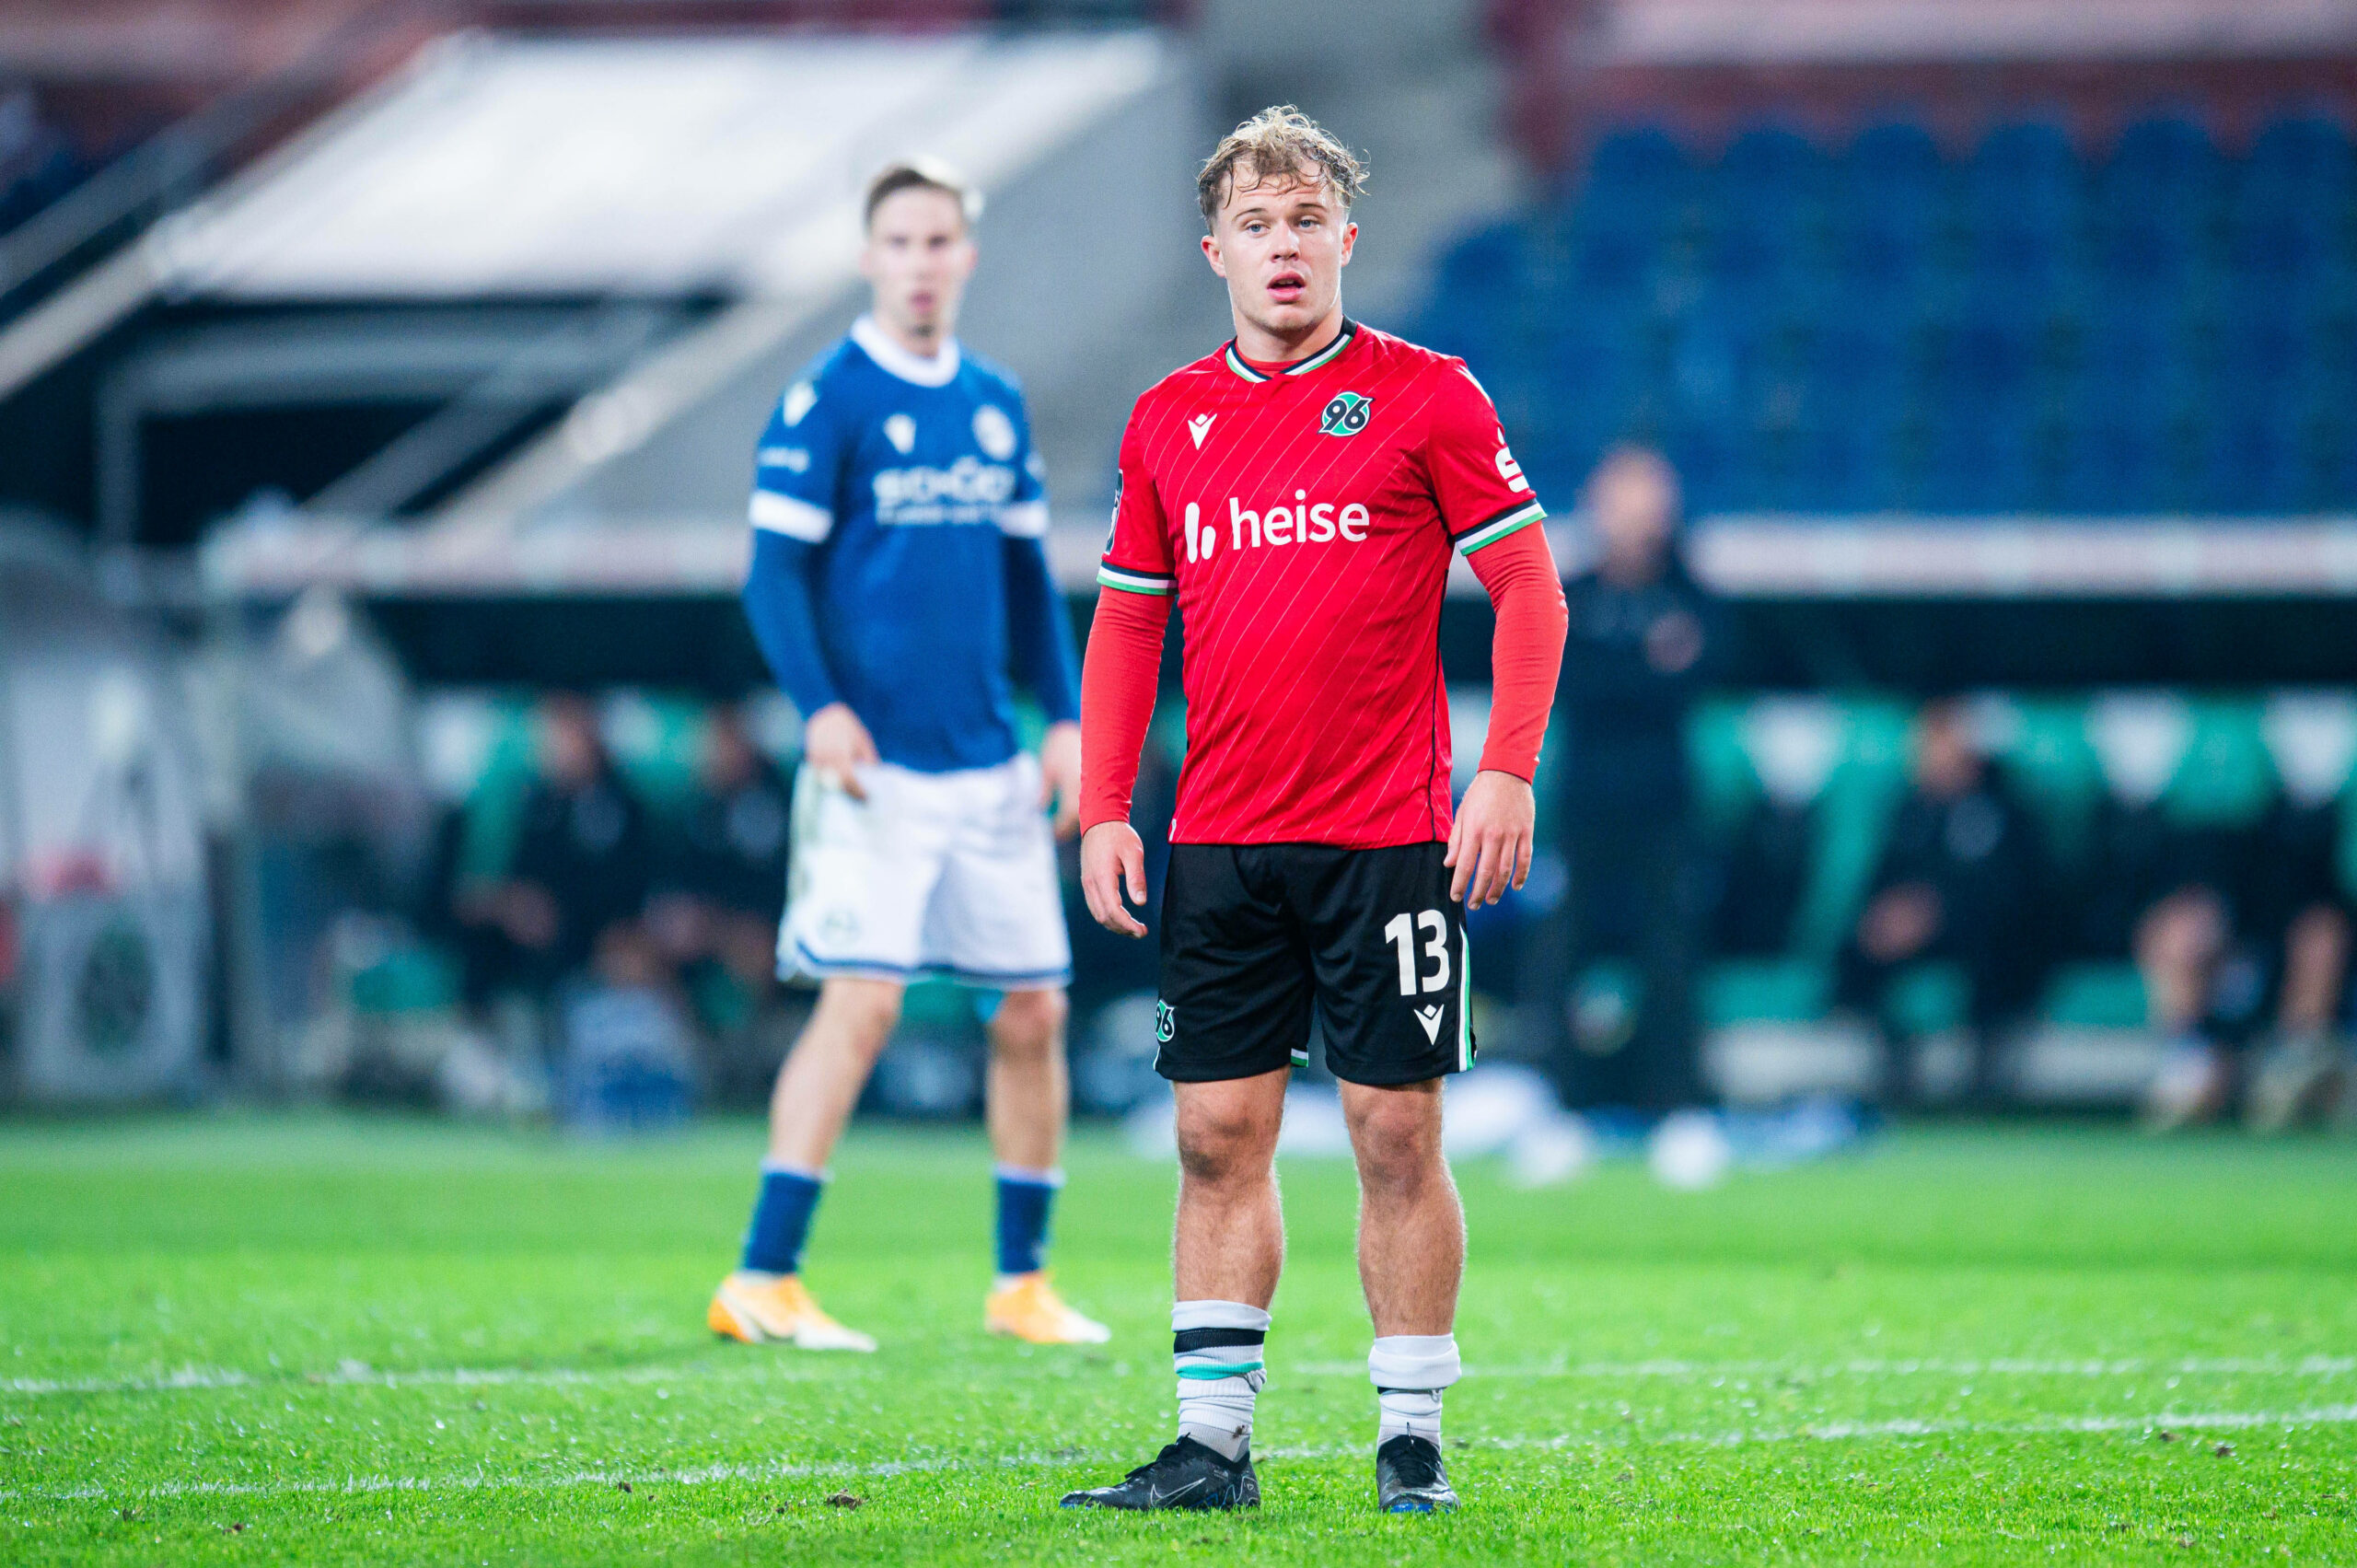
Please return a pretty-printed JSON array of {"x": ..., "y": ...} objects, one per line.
[{"x": 1513, "y": 520}]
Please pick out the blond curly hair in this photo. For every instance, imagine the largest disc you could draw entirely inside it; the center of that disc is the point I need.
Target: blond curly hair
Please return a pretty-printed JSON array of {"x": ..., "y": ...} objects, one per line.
[{"x": 1278, "y": 140}]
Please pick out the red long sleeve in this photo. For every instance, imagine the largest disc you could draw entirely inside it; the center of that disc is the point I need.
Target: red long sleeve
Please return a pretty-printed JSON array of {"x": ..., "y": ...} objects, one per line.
[
  {"x": 1526, "y": 651},
  {"x": 1118, "y": 679}
]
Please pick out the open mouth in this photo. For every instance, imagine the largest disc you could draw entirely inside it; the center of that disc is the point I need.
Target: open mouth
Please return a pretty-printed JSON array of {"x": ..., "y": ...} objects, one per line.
[{"x": 1287, "y": 287}]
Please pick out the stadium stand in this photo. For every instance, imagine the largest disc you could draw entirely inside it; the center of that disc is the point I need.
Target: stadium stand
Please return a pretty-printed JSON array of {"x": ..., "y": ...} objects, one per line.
[
  {"x": 2024, "y": 325},
  {"x": 38, "y": 161},
  {"x": 500, "y": 237},
  {"x": 1797, "y": 796}
]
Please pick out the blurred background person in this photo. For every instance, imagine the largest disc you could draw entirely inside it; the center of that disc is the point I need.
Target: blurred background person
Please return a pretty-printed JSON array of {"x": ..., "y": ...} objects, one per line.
[
  {"x": 898, "y": 587},
  {"x": 2301, "y": 911},
  {"x": 2171, "y": 895},
  {"x": 719, "y": 881},
  {"x": 1959, "y": 879},
  {"x": 576, "y": 883},
  {"x": 1643, "y": 632}
]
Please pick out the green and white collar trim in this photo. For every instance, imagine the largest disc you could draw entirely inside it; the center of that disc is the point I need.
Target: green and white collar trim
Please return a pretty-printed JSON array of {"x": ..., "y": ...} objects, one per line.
[{"x": 1325, "y": 356}]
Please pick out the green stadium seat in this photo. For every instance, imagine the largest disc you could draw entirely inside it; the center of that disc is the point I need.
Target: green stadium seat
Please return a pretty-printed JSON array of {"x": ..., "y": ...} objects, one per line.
[
  {"x": 2226, "y": 779},
  {"x": 656, "y": 740},
  {"x": 488, "y": 843},
  {"x": 1854, "y": 814},
  {"x": 2096, "y": 996},
  {"x": 937, "y": 1002},
  {"x": 407, "y": 980},
  {"x": 1726, "y": 786},
  {"x": 2312, "y": 739},
  {"x": 1929, "y": 999},
  {"x": 1765, "y": 990},
  {"x": 2042, "y": 745}
]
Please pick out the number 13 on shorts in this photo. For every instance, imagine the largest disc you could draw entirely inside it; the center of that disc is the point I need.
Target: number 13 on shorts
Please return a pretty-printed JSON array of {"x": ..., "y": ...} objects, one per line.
[{"x": 1431, "y": 971}]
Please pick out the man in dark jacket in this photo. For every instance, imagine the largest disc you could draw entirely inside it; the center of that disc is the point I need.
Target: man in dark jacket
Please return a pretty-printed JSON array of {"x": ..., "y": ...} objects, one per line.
[
  {"x": 577, "y": 880},
  {"x": 720, "y": 882},
  {"x": 1643, "y": 635},
  {"x": 1959, "y": 880}
]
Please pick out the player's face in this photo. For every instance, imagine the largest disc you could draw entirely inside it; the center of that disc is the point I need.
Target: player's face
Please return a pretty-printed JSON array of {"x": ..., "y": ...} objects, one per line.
[
  {"x": 1282, "y": 244},
  {"x": 918, "y": 259}
]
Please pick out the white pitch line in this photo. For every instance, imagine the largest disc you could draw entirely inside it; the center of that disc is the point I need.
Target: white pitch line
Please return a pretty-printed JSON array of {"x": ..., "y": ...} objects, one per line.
[
  {"x": 200, "y": 1378},
  {"x": 1610, "y": 1371},
  {"x": 2161, "y": 1421},
  {"x": 706, "y": 1475},
  {"x": 369, "y": 1377}
]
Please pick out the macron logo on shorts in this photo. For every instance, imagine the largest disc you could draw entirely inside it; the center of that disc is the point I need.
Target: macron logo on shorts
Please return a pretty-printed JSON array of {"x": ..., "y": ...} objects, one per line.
[{"x": 1430, "y": 1017}]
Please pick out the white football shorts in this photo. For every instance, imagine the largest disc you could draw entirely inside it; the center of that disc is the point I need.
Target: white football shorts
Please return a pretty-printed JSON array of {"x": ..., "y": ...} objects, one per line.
[{"x": 946, "y": 875}]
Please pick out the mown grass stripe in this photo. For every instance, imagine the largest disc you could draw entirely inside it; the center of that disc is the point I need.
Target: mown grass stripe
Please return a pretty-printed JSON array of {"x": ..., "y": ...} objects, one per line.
[
  {"x": 1618, "y": 1437},
  {"x": 200, "y": 1380}
]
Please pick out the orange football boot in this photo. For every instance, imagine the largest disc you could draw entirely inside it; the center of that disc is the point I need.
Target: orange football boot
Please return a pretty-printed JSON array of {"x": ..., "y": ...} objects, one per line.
[
  {"x": 1030, "y": 1309},
  {"x": 760, "y": 1308}
]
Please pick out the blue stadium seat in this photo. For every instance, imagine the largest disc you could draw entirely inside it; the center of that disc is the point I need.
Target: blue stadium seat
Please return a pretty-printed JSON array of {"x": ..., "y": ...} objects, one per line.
[
  {"x": 2164, "y": 323},
  {"x": 1634, "y": 171}
]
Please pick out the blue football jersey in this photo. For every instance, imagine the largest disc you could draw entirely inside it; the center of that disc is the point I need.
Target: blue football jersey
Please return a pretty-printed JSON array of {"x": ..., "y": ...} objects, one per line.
[{"x": 905, "y": 475}]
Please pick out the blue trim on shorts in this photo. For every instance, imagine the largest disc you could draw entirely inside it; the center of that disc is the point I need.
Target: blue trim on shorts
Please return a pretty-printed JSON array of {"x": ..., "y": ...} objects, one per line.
[{"x": 807, "y": 963}]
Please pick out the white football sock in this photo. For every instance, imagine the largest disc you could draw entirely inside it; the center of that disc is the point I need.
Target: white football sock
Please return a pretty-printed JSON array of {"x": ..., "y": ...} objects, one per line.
[
  {"x": 1409, "y": 1372},
  {"x": 1216, "y": 1349}
]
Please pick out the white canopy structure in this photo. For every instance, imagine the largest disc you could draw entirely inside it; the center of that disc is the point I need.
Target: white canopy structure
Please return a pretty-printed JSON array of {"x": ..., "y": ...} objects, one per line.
[{"x": 501, "y": 166}]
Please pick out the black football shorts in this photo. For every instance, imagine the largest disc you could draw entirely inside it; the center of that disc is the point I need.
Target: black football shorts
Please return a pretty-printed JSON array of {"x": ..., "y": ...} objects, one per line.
[{"x": 1255, "y": 936}]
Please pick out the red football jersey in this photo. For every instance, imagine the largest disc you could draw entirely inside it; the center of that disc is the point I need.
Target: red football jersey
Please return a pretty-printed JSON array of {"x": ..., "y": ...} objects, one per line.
[{"x": 1305, "y": 521}]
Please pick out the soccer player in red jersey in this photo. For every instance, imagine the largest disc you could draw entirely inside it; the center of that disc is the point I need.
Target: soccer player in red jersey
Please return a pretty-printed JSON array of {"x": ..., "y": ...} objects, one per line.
[{"x": 1299, "y": 493}]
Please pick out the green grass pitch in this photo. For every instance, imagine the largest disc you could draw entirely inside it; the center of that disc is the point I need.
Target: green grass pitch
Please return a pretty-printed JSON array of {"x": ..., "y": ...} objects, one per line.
[{"x": 317, "y": 1341}]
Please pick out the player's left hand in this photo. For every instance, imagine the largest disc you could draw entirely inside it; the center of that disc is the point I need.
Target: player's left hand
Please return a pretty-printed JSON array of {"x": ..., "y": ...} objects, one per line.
[
  {"x": 1060, "y": 775},
  {"x": 1488, "y": 847}
]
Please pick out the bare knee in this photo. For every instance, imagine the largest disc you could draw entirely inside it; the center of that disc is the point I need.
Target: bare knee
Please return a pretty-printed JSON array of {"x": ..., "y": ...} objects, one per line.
[
  {"x": 2317, "y": 942},
  {"x": 1223, "y": 1148},
  {"x": 2182, "y": 934},
  {"x": 1029, "y": 1025},
  {"x": 1395, "y": 1134},
  {"x": 866, "y": 1011}
]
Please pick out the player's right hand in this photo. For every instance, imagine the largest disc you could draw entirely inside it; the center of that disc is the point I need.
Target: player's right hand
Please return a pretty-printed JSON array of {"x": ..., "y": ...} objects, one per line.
[
  {"x": 838, "y": 745},
  {"x": 1112, "y": 863}
]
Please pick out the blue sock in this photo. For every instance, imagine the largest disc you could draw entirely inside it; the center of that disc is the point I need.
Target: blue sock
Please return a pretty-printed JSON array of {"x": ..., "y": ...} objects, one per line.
[
  {"x": 1024, "y": 1198},
  {"x": 781, "y": 1220}
]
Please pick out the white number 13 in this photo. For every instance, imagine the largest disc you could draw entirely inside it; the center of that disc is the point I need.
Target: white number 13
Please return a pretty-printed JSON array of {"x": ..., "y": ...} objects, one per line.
[{"x": 1402, "y": 934}]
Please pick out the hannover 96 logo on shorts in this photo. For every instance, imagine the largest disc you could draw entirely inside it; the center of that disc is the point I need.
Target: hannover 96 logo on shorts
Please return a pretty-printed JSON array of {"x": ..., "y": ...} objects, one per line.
[
  {"x": 1165, "y": 1022},
  {"x": 1346, "y": 415}
]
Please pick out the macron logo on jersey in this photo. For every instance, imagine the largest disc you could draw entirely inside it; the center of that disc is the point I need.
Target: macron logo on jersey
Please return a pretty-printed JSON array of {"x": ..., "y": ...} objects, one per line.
[
  {"x": 1304, "y": 522},
  {"x": 1199, "y": 427}
]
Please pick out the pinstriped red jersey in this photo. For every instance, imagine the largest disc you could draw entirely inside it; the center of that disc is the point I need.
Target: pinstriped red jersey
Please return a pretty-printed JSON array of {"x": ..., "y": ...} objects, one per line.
[{"x": 1303, "y": 519}]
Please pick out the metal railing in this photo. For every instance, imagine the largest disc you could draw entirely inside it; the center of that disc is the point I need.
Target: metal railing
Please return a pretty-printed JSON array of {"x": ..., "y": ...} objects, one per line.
[{"x": 174, "y": 165}]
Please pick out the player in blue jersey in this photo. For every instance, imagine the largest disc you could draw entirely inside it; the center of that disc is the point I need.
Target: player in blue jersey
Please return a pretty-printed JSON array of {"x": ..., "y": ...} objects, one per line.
[{"x": 897, "y": 572}]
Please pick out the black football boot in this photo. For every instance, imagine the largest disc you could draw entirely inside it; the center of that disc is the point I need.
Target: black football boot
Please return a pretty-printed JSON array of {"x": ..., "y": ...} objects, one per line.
[
  {"x": 1408, "y": 1477},
  {"x": 1184, "y": 1475}
]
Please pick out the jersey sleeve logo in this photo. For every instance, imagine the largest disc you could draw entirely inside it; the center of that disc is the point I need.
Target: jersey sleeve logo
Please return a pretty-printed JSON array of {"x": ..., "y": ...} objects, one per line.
[
  {"x": 798, "y": 400},
  {"x": 994, "y": 432},
  {"x": 1346, "y": 415}
]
